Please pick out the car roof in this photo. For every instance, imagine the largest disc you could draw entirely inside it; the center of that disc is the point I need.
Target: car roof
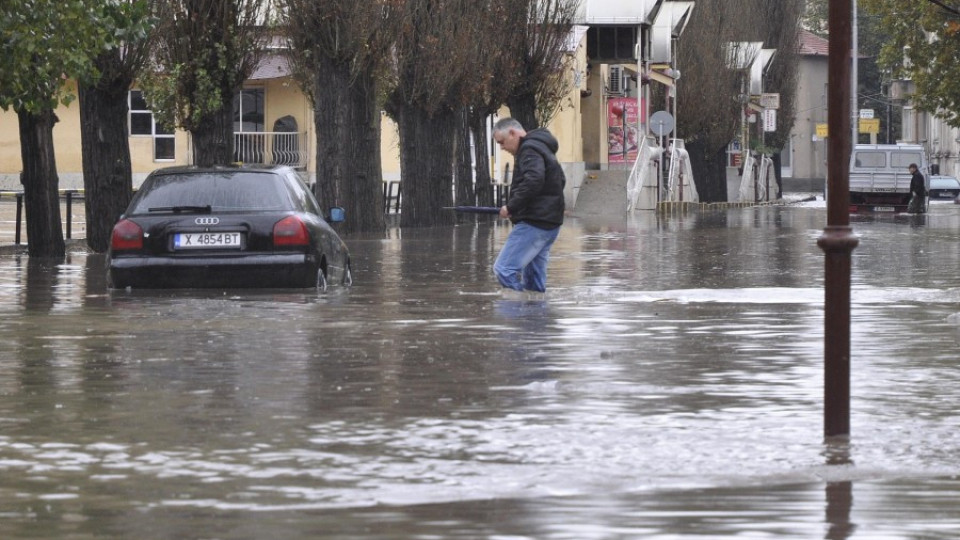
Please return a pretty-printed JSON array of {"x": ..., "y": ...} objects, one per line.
[
  {"x": 193, "y": 169},
  {"x": 940, "y": 181}
]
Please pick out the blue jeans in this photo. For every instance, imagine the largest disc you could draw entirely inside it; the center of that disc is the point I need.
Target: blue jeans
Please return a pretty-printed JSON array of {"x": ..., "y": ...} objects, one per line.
[{"x": 522, "y": 263}]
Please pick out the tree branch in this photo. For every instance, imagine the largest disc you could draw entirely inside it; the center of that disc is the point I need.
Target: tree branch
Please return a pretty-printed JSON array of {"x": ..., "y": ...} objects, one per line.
[{"x": 950, "y": 9}]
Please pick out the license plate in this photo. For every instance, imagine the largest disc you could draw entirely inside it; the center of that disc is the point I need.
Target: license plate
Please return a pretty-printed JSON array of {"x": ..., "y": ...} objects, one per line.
[
  {"x": 207, "y": 240},
  {"x": 883, "y": 209},
  {"x": 945, "y": 195}
]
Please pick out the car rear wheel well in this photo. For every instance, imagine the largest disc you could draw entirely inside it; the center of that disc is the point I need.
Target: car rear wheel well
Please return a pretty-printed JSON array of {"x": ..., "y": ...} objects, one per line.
[
  {"x": 347, "y": 273},
  {"x": 321, "y": 283}
]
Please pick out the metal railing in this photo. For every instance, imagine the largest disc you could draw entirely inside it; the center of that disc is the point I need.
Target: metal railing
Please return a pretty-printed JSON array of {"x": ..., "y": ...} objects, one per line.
[
  {"x": 391, "y": 196},
  {"x": 679, "y": 184},
  {"x": 755, "y": 182},
  {"x": 643, "y": 176},
  {"x": 68, "y": 195},
  {"x": 271, "y": 148}
]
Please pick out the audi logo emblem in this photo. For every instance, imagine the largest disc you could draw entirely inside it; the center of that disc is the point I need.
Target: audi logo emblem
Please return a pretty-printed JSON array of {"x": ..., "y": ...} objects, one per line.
[{"x": 206, "y": 220}]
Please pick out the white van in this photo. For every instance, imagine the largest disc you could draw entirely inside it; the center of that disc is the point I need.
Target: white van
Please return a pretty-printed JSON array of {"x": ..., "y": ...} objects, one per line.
[{"x": 880, "y": 179}]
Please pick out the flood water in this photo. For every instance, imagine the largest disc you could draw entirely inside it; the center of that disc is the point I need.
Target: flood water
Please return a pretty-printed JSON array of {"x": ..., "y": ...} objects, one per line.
[{"x": 669, "y": 385}]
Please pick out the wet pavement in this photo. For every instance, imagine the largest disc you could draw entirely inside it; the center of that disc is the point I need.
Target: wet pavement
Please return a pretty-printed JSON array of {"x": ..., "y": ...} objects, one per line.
[{"x": 669, "y": 385}]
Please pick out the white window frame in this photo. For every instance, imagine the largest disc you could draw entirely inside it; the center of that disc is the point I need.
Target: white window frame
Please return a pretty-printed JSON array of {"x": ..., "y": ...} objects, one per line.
[{"x": 154, "y": 131}]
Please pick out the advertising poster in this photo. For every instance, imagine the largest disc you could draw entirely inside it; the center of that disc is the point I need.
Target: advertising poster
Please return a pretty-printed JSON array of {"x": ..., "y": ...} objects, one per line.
[{"x": 623, "y": 135}]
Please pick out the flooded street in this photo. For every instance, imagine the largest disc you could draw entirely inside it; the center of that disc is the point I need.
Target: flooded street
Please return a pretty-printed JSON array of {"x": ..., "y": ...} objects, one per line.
[{"x": 669, "y": 385}]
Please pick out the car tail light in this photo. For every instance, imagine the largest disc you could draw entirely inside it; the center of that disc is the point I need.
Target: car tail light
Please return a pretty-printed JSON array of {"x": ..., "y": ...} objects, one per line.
[
  {"x": 290, "y": 231},
  {"x": 126, "y": 235}
]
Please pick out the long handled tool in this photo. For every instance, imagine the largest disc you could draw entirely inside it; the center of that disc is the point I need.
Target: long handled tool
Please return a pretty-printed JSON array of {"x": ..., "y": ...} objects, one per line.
[{"x": 474, "y": 209}]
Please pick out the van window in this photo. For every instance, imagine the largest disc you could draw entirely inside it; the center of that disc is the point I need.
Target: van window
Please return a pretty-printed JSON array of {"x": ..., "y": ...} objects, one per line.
[
  {"x": 870, "y": 160},
  {"x": 902, "y": 160}
]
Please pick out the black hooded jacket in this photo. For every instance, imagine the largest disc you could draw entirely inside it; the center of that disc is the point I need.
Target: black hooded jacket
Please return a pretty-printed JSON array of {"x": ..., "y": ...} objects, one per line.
[
  {"x": 917, "y": 185},
  {"x": 536, "y": 193}
]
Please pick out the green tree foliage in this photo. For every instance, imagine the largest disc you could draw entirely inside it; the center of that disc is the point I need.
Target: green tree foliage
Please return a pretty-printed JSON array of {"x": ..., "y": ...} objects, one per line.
[
  {"x": 815, "y": 17},
  {"x": 46, "y": 42},
  {"x": 205, "y": 50},
  {"x": 922, "y": 44}
]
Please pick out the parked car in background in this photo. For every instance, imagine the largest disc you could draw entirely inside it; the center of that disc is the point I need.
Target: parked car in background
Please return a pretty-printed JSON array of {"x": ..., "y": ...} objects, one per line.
[
  {"x": 944, "y": 188},
  {"x": 224, "y": 227}
]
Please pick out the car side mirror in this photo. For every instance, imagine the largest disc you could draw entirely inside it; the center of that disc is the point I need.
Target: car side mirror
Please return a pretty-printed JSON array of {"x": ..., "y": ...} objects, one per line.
[{"x": 337, "y": 214}]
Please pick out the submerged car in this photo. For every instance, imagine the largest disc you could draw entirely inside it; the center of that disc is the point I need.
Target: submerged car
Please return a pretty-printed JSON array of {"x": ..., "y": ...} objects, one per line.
[
  {"x": 944, "y": 188},
  {"x": 226, "y": 227}
]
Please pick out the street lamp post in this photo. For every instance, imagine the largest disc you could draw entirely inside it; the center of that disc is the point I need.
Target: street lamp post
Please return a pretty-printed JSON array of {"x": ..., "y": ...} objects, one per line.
[{"x": 838, "y": 240}]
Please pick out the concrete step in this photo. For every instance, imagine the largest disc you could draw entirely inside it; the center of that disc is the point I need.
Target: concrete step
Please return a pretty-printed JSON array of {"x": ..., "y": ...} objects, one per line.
[{"x": 602, "y": 193}]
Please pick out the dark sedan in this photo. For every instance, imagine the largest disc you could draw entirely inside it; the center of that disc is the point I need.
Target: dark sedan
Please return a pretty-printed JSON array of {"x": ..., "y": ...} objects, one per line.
[
  {"x": 226, "y": 227},
  {"x": 944, "y": 188}
]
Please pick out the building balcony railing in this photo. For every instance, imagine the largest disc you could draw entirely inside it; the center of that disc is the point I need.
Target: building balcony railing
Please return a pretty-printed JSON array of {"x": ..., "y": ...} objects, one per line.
[{"x": 271, "y": 148}]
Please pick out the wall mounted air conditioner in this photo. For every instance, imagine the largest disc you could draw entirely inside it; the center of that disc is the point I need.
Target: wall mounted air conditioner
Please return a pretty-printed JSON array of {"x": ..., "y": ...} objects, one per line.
[{"x": 619, "y": 81}]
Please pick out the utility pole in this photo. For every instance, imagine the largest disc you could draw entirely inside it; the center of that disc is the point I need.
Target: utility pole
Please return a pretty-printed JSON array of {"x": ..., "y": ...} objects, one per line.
[{"x": 854, "y": 80}]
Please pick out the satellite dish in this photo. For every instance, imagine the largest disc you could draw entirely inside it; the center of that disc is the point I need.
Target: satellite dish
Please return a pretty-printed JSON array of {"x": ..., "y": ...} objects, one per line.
[{"x": 661, "y": 123}]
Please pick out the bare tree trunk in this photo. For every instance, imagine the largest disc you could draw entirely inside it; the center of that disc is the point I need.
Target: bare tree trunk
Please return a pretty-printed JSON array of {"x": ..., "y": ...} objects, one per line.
[
  {"x": 41, "y": 184},
  {"x": 778, "y": 172},
  {"x": 363, "y": 189},
  {"x": 347, "y": 122},
  {"x": 709, "y": 172},
  {"x": 709, "y": 108},
  {"x": 331, "y": 93},
  {"x": 213, "y": 139},
  {"x": 464, "y": 160},
  {"x": 107, "y": 174},
  {"x": 523, "y": 107},
  {"x": 426, "y": 159},
  {"x": 484, "y": 184}
]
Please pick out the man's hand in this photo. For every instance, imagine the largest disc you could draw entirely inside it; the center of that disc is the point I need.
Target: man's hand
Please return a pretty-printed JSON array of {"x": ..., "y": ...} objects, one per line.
[{"x": 504, "y": 213}]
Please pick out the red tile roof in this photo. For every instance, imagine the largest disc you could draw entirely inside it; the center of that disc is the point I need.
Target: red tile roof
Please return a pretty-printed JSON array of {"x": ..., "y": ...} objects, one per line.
[{"x": 812, "y": 44}]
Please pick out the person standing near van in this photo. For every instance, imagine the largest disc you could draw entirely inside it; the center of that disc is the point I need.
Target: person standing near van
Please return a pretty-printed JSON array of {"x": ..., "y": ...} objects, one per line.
[{"x": 918, "y": 191}]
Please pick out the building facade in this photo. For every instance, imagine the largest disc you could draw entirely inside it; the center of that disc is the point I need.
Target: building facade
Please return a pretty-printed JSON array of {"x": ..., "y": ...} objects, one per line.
[{"x": 807, "y": 148}]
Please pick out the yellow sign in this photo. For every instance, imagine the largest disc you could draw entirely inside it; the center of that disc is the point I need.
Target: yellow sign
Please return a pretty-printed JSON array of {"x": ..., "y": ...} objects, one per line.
[
  {"x": 869, "y": 125},
  {"x": 822, "y": 131}
]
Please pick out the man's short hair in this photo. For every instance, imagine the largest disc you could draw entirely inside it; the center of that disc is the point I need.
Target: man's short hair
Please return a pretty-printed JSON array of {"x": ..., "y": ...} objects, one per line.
[
  {"x": 913, "y": 166},
  {"x": 507, "y": 123}
]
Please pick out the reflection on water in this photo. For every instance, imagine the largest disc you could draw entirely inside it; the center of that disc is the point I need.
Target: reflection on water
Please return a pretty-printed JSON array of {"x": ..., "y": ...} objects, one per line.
[
  {"x": 668, "y": 385},
  {"x": 839, "y": 492}
]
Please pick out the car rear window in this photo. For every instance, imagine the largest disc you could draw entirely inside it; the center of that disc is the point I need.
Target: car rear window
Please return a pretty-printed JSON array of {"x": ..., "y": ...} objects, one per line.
[{"x": 230, "y": 190}]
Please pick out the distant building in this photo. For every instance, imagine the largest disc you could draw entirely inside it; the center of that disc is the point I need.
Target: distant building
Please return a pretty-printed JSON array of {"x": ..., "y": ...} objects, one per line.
[
  {"x": 805, "y": 156},
  {"x": 941, "y": 141}
]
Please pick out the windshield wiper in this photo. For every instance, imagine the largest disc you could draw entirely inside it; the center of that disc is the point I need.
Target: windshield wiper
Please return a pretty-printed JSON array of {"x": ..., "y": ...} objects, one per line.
[{"x": 178, "y": 209}]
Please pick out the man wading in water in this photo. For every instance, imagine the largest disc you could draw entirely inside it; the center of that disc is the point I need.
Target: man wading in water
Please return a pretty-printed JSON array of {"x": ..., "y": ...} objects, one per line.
[{"x": 535, "y": 207}]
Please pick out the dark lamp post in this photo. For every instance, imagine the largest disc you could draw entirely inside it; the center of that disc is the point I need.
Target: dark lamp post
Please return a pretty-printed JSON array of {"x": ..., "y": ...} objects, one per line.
[{"x": 838, "y": 240}]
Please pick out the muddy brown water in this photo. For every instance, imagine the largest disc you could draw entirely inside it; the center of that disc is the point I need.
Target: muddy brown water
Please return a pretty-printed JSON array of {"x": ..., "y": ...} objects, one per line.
[{"x": 669, "y": 385}]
